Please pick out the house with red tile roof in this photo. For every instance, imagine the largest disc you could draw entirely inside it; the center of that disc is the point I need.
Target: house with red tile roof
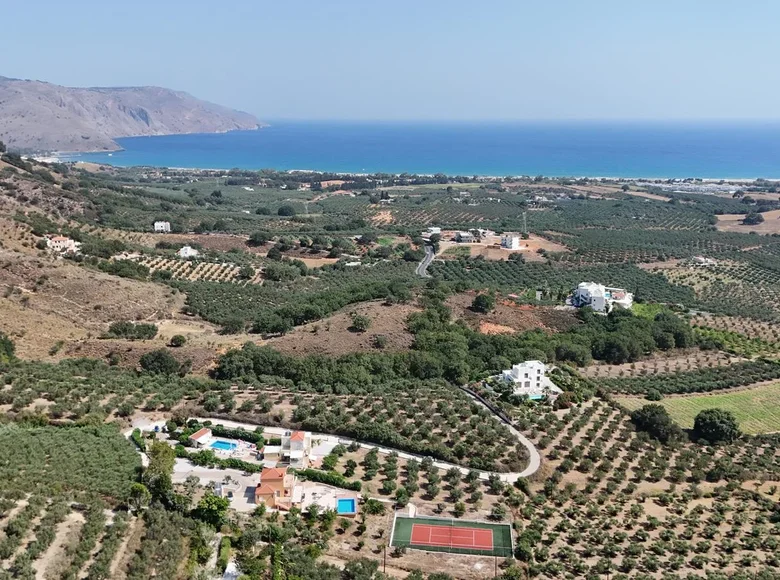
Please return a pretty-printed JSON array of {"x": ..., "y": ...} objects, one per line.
[
  {"x": 278, "y": 488},
  {"x": 201, "y": 437}
]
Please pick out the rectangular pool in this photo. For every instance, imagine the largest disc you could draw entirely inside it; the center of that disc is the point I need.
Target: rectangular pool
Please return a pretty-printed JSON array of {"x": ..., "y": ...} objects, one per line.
[
  {"x": 223, "y": 445},
  {"x": 345, "y": 505}
]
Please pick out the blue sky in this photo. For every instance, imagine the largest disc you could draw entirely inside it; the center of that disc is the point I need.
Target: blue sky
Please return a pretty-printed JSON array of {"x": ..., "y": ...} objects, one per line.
[{"x": 416, "y": 59}]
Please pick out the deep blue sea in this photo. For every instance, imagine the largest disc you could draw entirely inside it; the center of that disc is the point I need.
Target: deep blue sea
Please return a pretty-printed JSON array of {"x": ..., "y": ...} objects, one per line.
[{"x": 747, "y": 150}]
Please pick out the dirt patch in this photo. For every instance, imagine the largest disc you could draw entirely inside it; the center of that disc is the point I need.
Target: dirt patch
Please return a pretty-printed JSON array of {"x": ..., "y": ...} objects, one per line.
[
  {"x": 511, "y": 316},
  {"x": 129, "y": 353},
  {"x": 382, "y": 217},
  {"x": 52, "y": 562},
  {"x": 126, "y": 551},
  {"x": 317, "y": 262},
  {"x": 732, "y": 222},
  {"x": 46, "y": 302},
  {"x": 490, "y": 328},
  {"x": 332, "y": 336}
]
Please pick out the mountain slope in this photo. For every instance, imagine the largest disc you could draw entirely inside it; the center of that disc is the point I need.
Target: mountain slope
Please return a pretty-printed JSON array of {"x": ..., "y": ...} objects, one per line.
[{"x": 38, "y": 116}]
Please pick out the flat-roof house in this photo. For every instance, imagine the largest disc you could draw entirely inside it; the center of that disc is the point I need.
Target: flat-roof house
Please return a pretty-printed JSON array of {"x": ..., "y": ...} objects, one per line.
[
  {"x": 601, "y": 298},
  {"x": 162, "y": 227},
  {"x": 201, "y": 437},
  {"x": 530, "y": 378},
  {"x": 62, "y": 244},
  {"x": 187, "y": 252},
  {"x": 510, "y": 242},
  {"x": 464, "y": 237},
  {"x": 276, "y": 488}
]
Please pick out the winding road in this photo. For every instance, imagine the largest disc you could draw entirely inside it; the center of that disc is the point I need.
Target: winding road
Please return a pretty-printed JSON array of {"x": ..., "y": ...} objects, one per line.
[
  {"x": 534, "y": 459},
  {"x": 422, "y": 267}
]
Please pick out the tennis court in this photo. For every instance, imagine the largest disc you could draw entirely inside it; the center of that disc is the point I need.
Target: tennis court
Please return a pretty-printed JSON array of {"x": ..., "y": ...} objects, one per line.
[{"x": 454, "y": 536}]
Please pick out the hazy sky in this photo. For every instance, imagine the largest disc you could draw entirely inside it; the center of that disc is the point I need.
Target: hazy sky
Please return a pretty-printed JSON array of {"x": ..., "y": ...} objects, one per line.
[{"x": 415, "y": 59}]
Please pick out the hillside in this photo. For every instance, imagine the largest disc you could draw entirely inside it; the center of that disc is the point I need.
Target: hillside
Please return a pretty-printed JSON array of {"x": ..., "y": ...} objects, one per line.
[{"x": 39, "y": 116}]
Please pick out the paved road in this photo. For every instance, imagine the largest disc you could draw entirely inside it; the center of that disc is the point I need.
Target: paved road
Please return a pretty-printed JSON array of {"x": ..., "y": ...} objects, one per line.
[{"x": 422, "y": 267}]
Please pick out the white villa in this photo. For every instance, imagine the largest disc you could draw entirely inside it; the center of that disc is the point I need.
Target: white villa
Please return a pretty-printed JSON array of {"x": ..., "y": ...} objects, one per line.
[
  {"x": 63, "y": 245},
  {"x": 601, "y": 298},
  {"x": 464, "y": 237},
  {"x": 201, "y": 437},
  {"x": 162, "y": 227},
  {"x": 510, "y": 242},
  {"x": 432, "y": 230},
  {"x": 530, "y": 378},
  {"x": 188, "y": 252}
]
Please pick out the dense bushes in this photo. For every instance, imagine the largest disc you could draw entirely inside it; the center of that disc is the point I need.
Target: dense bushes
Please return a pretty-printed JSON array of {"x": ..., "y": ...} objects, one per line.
[
  {"x": 292, "y": 302},
  {"x": 160, "y": 362},
  {"x": 329, "y": 478},
  {"x": 132, "y": 331},
  {"x": 654, "y": 419},
  {"x": 716, "y": 426},
  {"x": 124, "y": 269}
]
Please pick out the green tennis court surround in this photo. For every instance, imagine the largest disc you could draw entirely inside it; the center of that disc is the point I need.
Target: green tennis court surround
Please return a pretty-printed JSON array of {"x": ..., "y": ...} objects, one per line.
[{"x": 452, "y": 536}]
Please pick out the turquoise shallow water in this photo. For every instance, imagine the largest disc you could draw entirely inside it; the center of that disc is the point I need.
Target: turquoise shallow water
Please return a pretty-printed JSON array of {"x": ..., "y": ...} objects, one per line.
[{"x": 747, "y": 150}]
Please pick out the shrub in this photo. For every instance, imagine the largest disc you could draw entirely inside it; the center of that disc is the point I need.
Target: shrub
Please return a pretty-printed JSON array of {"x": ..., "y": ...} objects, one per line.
[
  {"x": 132, "y": 331},
  {"x": 483, "y": 303},
  {"x": 655, "y": 420},
  {"x": 360, "y": 323},
  {"x": 178, "y": 340},
  {"x": 716, "y": 426},
  {"x": 160, "y": 362}
]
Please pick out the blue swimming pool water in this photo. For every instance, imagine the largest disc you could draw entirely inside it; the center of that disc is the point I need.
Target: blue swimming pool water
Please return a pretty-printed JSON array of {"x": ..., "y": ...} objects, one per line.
[
  {"x": 536, "y": 397},
  {"x": 223, "y": 445},
  {"x": 345, "y": 505}
]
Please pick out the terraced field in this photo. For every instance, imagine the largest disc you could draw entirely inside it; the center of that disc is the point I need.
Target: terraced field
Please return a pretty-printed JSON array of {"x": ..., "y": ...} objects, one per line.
[{"x": 200, "y": 271}]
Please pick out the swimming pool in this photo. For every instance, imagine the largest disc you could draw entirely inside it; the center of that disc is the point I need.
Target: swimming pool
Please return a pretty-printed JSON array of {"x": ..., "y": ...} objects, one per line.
[
  {"x": 345, "y": 505},
  {"x": 223, "y": 445}
]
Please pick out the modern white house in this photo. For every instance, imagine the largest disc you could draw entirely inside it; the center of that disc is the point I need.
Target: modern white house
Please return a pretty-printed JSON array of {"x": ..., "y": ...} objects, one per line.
[
  {"x": 162, "y": 227},
  {"x": 530, "y": 378},
  {"x": 510, "y": 242},
  {"x": 432, "y": 230},
  {"x": 464, "y": 237},
  {"x": 601, "y": 298},
  {"x": 63, "y": 245},
  {"x": 187, "y": 252}
]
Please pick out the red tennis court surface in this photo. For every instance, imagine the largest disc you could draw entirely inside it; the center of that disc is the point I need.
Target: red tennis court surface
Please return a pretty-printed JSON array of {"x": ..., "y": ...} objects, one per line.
[{"x": 452, "y": 536}]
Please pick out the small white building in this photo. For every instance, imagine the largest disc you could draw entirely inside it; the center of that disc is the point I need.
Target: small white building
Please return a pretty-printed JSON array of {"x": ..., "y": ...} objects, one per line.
[
  {"x": 530, "y": 378},
  {"x": 464, "y": 237},
  {"x": 188, "y": 252},
  {"x": 701, "y": 261},
  {"x": 601, "y": 298},
  {"x": 433, "y": 230},
  {"x": 201, "y": 437},
  {"x": 162, "y": 227},
  {"x": 510, "y": 242},
  {"x": 63, "y": 245}
]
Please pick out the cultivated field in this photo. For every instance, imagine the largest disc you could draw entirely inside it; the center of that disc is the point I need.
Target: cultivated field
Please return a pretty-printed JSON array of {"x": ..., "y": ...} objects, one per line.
[
  {"x": 756, "y": 408},
  {"x": 199, "y": 271},
  {"x": 733, "y": 223}
]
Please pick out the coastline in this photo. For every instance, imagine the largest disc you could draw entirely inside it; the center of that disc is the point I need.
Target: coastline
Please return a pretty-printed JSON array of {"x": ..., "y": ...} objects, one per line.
[{"x": 602, "y": 152}]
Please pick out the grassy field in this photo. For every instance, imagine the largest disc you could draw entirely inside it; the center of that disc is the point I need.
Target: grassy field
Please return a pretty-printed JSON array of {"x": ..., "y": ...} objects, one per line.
[{"x": 758, "y": 409}]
